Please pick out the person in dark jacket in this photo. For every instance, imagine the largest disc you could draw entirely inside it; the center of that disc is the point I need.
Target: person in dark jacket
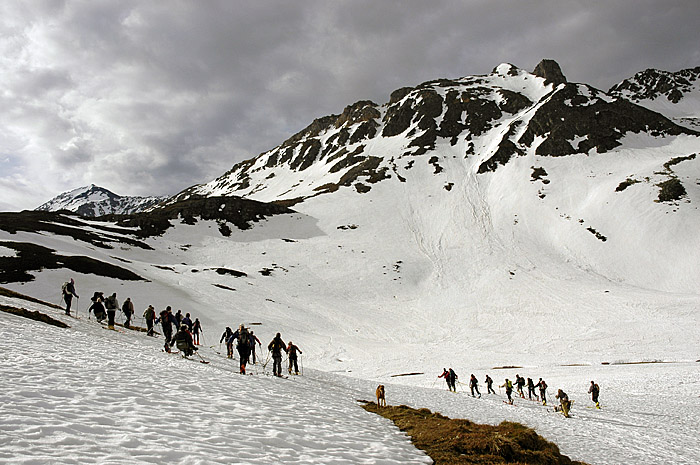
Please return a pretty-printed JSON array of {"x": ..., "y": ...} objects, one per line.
[
  {"x": 166, "y": 324},
  {"x": 97, "y": 307},
  {"x": 520, "y": 383},
  {"x": 474, "y": 386},
  {"x": 531, "y": 389},
  {"x": 187, "y": 321},
  {"x": 127, "y": 310},
  {"x": 149, "y": 315},
  {"x": 196, "y": 329},
  {"x": 253, "y": 340},
  {"x": 112, "y": 305},
  {"x": 229, "y": 341},
  {"x": 243, "y": 346},
  {"x": 68, "y": 291},
  {"x": 543, "y": 391},
  {"x": 292, "y": 352},
  {"x": 489, "y": 385},
  {"x": 178, "y": 319},
  {"x": 594, "y": 391},
  {"x": 276, "y": 346},
  {"x": 183, "y": 341}
]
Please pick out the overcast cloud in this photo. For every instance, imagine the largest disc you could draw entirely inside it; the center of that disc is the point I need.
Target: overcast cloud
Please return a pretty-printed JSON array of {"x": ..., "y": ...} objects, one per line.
[{"x": 149, "y": 97}]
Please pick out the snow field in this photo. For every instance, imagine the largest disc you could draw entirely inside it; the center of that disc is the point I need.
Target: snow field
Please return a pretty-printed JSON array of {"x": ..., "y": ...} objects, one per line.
[{"x": 88, "y": 395}]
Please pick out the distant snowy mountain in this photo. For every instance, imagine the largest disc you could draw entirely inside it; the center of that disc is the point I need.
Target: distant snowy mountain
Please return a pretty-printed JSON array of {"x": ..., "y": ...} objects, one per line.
[
  {"x": 93, "y": 201},
  {"x": 674, "y": 94}
]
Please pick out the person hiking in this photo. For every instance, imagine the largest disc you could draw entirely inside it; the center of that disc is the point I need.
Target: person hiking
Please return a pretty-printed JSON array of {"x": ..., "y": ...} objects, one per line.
[
  {"x": 67, "y": 292},
  {"x": 178, "y": 319},
  {"x": 97, "y": 307},
  {"x": 594, "y": 391},
  {"x": 531, "y": 389},
  {"x": 167, "y": 324},
  {"x": 489, "y": 385},
  {"x": 520, "y": 383},
  {"x": 149, "y": 315},
  {"x": 183, "y": 341},
  {"x": 450, "y": 377},
  {"x": 243, "y": 346},
  {"x": 564, "y": 402},
  {"x": 474, "y": 386},
  {"x": 112, "y": 305},
  {"x": 127, "y": 310},
  {"x": 187, "y": 321},
  {"x": 543, "y": 390},
  {"x": 292, "y": 351},
  {"x": 276, "y": 346},
  {"x": 196, "y": 329},
  {"x": 509, "y": 390},
  {"x": 229, "y": 341},
  {"x": 253, "y": 340}
]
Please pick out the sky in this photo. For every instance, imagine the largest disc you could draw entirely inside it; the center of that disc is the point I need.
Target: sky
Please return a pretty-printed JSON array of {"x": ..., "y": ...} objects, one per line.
[{"x": 150, "y": 97}]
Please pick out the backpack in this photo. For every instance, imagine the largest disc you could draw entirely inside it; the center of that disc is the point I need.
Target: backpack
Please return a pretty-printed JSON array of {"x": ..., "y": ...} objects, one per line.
[
  {"x": 64, "y": 288},
  {"x": 244, "y": 338},
  {"x": 509, "y": 384},
  {"x": 543, "y": 385}
]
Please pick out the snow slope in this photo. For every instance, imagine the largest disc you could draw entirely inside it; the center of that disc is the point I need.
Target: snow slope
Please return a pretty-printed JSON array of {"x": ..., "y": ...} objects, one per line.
[{"x": 89, "y": 395}]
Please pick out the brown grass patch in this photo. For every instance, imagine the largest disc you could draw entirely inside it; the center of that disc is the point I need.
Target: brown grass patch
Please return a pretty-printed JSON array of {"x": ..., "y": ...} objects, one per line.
[
  {"x": 458, "y": 441},
  {"x": 35, "y": 315}
]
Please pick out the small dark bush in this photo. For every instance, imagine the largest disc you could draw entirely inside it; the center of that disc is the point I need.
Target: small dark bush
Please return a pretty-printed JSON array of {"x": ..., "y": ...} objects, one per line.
[{"x": 671, "y": 190}]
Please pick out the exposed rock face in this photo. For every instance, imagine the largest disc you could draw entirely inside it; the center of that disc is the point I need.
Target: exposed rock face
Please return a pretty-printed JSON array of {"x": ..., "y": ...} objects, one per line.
[
  {"x": 507, "y": 113},
  {"x": 651, "y": 84},
  {"x": 93, "y": 201},
  {"x": 550, "y": 71}
]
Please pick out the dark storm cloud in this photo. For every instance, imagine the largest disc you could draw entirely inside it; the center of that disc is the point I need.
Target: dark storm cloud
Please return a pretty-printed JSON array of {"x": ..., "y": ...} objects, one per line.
[{"x": 148, "y": 97}]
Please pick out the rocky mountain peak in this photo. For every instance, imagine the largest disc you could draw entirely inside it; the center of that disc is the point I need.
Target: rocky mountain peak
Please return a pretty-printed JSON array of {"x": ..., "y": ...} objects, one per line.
[{"x": 550, "y": 71}]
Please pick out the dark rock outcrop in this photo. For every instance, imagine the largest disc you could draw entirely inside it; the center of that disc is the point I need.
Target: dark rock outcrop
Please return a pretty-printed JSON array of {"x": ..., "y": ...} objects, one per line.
[{"x": 550, "y": 71}]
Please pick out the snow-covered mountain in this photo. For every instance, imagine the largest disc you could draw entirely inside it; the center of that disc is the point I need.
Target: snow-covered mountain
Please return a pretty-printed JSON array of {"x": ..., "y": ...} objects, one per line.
[
  {"x": 93, "y": 201},
  {"x": 511, "y": 219},
  {"x": 675, "y": 94}
]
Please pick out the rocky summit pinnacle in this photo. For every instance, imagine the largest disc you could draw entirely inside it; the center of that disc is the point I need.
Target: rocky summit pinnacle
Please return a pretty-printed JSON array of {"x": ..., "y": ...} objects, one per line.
[{"x": 550, "y": 71}]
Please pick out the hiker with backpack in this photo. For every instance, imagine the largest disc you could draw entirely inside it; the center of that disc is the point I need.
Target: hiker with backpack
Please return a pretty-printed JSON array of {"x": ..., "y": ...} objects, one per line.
[
  {"x": 253, "y": 340},
  {"x": 178, "y": 319},
  {"x": 97, "y": 307},
  {"x": 509, "y": 390},
  {"x": 67, "y": 292},
  {"x": 276, "y": 346},
  {"x": 243, "y": 346},
  {"x": 543, "y": 390},
  {"x": 127, "y": 310},
  {"x": 564, "y": 403},
  {"x": 229, "y": 341},
  {"x": 520, "y": 383},
  {"x": 111, "y": 304},
  {"x": 531, "y": 389},
  {"x": 474, "y": 385},
  {"x": 149, "y": 315},
  {"x": 183, "y": 341},
  {"x": 292, "y": 351},
  {"x": 196, "y": 329},
  {"x": 594, "y": 391},
  {"x": 166, "y": 323},
  {"x": 489, "y": 385},
  {"x": 187, "y": 321},
  {"x": 451, "y": 379}
]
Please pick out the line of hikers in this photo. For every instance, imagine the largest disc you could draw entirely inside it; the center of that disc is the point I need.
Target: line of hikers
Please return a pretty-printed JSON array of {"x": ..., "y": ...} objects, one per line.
[
  {"x": 520, "y": 383},
  {"x": 246, "y": 341}
]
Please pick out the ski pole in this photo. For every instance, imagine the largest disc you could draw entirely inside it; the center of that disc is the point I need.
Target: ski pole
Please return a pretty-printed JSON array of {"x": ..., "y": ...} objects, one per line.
[{"x": 301, "y": 360}]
